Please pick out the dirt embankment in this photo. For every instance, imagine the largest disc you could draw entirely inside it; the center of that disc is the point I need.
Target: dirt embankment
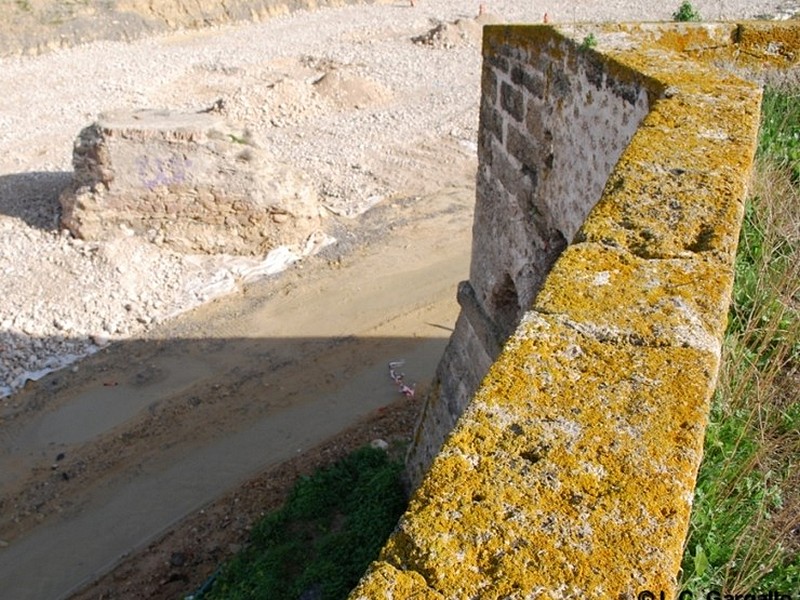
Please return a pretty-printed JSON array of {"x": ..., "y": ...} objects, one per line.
[{"x": 31, "y": 27}]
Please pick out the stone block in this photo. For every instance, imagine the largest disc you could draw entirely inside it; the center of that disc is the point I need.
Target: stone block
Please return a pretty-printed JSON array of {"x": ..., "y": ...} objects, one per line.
[
  {"x": 528, "y": 151},
  {"x": 489, "y": 84},
  {"x": 531, "y": 80},
  {"x": 191, "y": 182},
  {"x": 499, "y": 62},
  {"x": 512, "y": 101},
  {"x": 491, "y": 122}
]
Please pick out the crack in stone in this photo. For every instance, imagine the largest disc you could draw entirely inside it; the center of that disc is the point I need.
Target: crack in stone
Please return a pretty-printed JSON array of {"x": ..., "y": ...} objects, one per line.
[{"x": 616, "y": 337}]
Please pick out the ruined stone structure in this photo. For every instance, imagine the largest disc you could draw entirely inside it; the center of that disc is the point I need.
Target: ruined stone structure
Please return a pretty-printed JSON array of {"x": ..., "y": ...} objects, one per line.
[
  {"x": 191, "y": 182},
  {"x": 573, "y": 397}
]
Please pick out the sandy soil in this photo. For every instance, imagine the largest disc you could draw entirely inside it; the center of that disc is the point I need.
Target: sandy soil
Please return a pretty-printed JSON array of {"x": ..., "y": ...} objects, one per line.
[
  {"x": 179, "y": 410},
  {"x": 170, "y": 420},
  {"x": 184, "y": 558}
]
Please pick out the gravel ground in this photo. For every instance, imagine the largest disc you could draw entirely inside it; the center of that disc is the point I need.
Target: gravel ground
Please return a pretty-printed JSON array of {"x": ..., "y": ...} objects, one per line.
[
  {"x": 351, "y": 76},
  {"x": 342, "y": 93}
]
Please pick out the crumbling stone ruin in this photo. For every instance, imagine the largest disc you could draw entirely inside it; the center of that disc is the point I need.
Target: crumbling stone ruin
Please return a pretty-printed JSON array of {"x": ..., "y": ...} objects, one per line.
[{"x": 191, "y": 182}]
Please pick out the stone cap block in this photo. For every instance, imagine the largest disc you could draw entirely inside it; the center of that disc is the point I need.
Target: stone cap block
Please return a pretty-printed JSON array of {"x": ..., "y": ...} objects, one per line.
[
  {"x": 619, "y": 297},
  {"x": 573, "y": 465}
]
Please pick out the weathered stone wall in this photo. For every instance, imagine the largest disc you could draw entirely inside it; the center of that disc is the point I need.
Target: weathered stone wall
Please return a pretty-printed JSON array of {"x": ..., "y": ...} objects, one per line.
[
  {"x": 189, "y": 181},
  {"x": 553, "y": 124},
  {"x": 571, "y": 472}
]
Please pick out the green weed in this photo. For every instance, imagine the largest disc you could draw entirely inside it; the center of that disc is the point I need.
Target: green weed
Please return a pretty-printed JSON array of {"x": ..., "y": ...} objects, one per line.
[
  {"x": 745, "y": 524},
  {"x": 686, "y": 13},
  {"x": 590, "y": 41},
  {"x": 321, "y": 542}
]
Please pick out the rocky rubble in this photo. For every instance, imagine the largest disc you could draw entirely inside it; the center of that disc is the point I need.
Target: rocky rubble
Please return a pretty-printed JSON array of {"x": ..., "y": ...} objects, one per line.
[
  {"x": 460, "y": 32},
  {"x": 67, "y": 319}
]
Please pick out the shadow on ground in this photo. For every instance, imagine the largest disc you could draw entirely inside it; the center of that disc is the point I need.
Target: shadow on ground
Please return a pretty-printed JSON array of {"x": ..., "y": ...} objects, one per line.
[
  {"x": 147, "y": 431},
  {"x": 33, "y": 197}
]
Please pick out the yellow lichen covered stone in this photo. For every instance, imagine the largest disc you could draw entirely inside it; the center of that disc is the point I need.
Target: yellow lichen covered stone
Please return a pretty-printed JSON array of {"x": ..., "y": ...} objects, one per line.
[
  {"x": 615, "y": 295},
  {"x": 388, "y": 583},
  {"x": 574, "y": 463},
  {"x": 571, "y": 472}
]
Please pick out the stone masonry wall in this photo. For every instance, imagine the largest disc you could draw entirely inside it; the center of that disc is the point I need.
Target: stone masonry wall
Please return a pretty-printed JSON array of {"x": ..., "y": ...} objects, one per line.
[
  {"x": 571, "y": 472},
  {"x": 553, "y": 124}
]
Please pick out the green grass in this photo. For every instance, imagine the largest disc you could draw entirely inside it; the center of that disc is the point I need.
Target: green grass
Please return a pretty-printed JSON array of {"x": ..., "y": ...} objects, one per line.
[
  {"x": 745, "y": 526},
  {"x": 321, "y": 542},
  {"x": 779, "y": 140}
]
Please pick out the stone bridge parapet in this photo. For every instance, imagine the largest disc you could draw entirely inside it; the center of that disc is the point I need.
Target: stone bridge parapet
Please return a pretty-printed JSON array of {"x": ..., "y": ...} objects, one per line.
[{"x": 572, "y": 400}]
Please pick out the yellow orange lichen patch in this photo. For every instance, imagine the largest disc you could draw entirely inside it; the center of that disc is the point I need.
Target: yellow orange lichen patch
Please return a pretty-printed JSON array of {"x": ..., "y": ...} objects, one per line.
[
  {"x": 749, "y": 44},
  {"x": 617, "y": 296},
  {"x": 386, "y": 582},
  {"x": 574, "y": 463},
  {"x": 684, "y": 37},
  {"x": 775, "y": 42}
]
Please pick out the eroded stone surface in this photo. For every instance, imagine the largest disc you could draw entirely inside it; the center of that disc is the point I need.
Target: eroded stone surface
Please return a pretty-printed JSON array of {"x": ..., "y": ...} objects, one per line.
[
  {"x": 571, "y": 472},
  {"x": 553, "y": 125},
  {"x": 191, "y": 182}
]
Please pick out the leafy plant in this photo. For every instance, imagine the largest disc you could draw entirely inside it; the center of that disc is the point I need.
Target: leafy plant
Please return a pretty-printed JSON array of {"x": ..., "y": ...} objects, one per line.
[
  {"x": 590, "y": 41},
  {"x": 321, "y": 542},
  {"x": 686, "y": 13}
]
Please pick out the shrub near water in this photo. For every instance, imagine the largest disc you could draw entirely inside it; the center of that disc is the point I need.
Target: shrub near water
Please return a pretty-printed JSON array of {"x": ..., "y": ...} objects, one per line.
[
  {"x": 321, "y": 542},
  {"x": 745, "y": 526}
]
